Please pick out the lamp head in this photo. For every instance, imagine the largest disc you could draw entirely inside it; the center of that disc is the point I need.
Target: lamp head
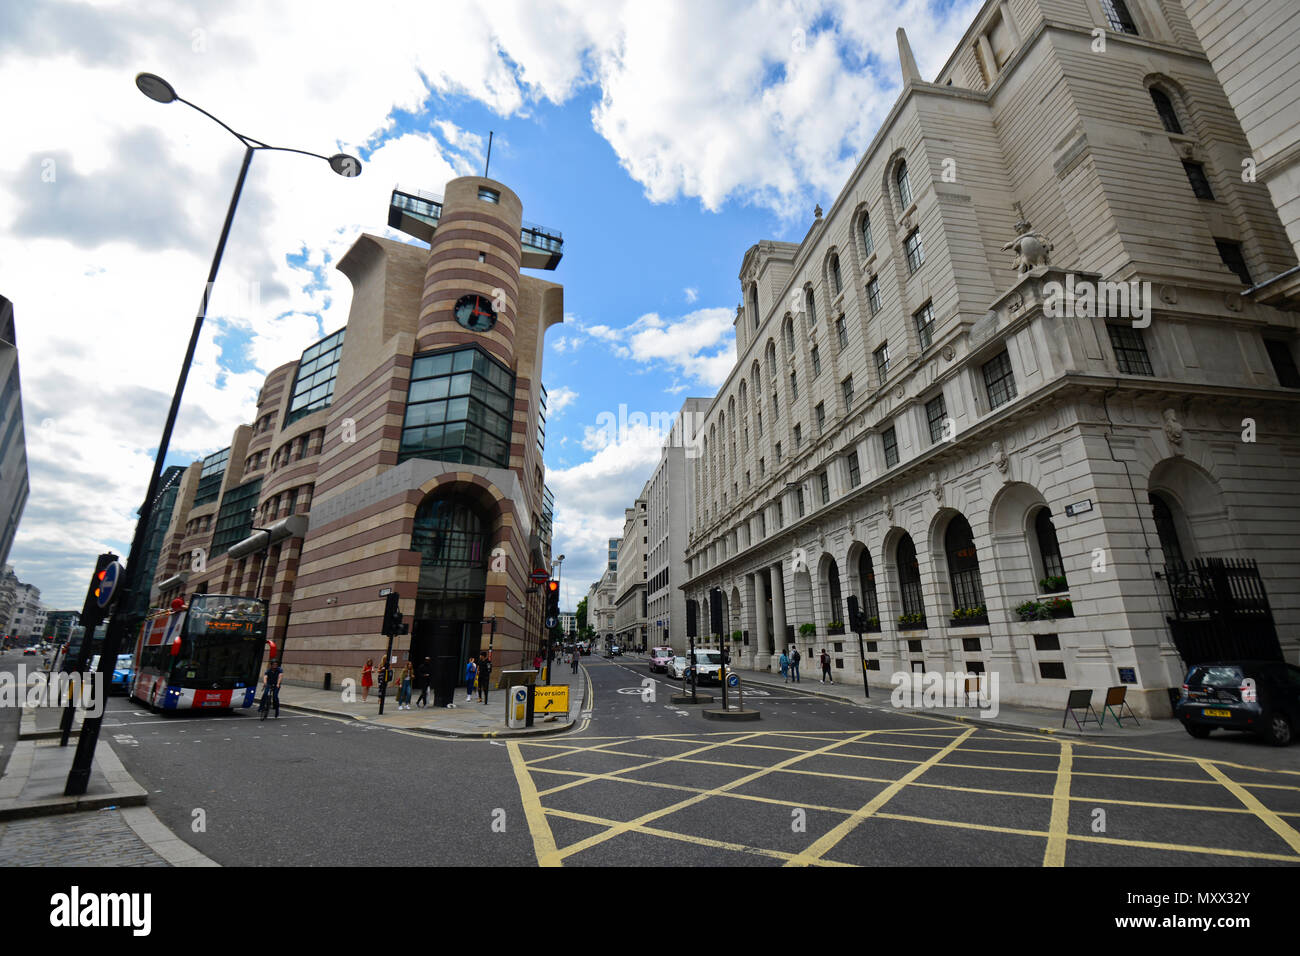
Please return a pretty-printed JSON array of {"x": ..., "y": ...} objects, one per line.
[
  {"x": 345, "y": 165},
  {"x": 155, "y": 87}
]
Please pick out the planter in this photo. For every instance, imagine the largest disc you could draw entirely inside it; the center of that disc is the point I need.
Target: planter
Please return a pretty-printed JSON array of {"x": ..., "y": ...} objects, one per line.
[
  {"x": 978, "y": 620},
  {"x": 835, "y": 630},
  {"x": 911, "y": 622},
  {"x": 1045, "y": 610}
]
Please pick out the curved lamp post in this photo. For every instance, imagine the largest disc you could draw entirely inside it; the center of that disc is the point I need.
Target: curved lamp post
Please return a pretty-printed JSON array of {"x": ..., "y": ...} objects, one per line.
[{"x": 159, "y": 90}]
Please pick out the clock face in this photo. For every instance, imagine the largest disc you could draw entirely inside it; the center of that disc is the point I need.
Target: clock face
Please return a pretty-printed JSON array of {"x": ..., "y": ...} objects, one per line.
[{"x": 475, "y": 313}]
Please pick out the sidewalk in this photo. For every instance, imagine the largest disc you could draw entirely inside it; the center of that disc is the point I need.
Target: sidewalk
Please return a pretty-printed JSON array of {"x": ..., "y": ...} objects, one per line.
[
  {"x": 465, "y": 719},
  {"x": 1032, "y": 719}
]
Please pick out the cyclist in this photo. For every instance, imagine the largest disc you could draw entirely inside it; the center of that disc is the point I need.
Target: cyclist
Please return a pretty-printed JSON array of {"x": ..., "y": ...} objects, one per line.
[{"x": 271, "y": 686}]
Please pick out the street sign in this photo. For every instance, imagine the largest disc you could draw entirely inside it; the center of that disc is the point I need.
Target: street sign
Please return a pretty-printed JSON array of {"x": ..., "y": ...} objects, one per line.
[
  {"x": 540, "y": 575},
  {"x": 551, "y": 700},
  {"x": 550, "y": 622},
  {"x": 108, "y": 584},
  {"x": 384, "y": 592},
  {"x": 733, "y": 680}
]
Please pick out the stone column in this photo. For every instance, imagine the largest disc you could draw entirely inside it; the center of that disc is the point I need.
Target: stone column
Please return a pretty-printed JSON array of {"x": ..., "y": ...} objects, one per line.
[
  {"x": 778, "y": 608},
  {"x": 763, "y": 657}
]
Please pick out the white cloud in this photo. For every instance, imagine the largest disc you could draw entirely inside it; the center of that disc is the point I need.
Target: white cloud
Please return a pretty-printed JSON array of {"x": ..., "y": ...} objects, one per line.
[
  {"x": 691, "y": 294},
  {"x": 558, "y": 399}
]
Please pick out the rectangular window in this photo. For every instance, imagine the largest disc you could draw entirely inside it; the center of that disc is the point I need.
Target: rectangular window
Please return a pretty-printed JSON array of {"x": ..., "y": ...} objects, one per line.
[
  {"x": 235, "y": 518},
  {"x": 855, "y": 472},
  {"x": 889, "y": 441},
  {"x": 873, "y": 295},
  {"x": 846, "y": 389},
  {"x": 821, "y": 417},
  {"x": 313, "y": 388},
  {"x": 1230, "y": 253},
  {"x": 999, "y": 381},
  {"x": 762, "y": 525},
  {"x": 1130, "y": 350},
  {"x": 1196, "y": 176},
  {"x": 780, "y": 514},
  {"x": 841, "y": 333},
  {"x": 778, "y": 451},
  {"x": 798, "y": 500},
  {"x": 915, "y": 251},
  {"x": 936, "y": 416},
  {"x": 798, "y": 436},
  {"x": 882, "y": 363},
  {"x": 824, "y": 483},
  {"x": 1119, "y": 19},
  {"x": 1279, "y": 353},
  {"x": 762, "y": 468},
  {"x": 970, "y": 644},
  {"x": 816, "y": 357},
  {"x": 210, "y": 477},
  {"x": 759, "y": 422},
  {"x": 1051, "y": 670},
  {"x": 924, "y": 319},
  {"x": 459, "y": 408},
  {"x": 488, "y": 195},
  {"x": 794, "y": 387},
  {"x": 1047, "y": 642}
]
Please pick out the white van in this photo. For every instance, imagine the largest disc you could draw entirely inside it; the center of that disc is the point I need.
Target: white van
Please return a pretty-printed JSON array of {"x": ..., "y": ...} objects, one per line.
[{"x": 708, "y": 667}]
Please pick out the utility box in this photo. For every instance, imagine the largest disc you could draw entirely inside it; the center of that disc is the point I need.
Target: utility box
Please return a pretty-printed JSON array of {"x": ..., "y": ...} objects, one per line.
[{"x": 517, "y": 706}]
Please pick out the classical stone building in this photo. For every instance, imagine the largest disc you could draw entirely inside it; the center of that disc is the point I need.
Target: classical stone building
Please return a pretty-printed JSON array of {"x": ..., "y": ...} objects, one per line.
[
  {"x": 403, "y": 451},
  {"x": 930, "y": 412},
  {"x": 630, "y": 595},
  {"x": 602, "y": 609}
]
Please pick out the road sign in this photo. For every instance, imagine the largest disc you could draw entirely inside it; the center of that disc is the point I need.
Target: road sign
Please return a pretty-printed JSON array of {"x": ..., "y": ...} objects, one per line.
[
  {"x": 384, "y": 592},
  {"x": 540, "y": 575},
  {"x": 551, "y": 622},
  {"x": 551, "y": 700},
  {"x": 108, "y": 584},
  {"x": 733, "y": 680}
]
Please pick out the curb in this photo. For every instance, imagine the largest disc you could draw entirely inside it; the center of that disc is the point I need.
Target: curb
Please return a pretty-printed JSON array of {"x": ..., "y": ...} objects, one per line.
[
  {"x": 126, "y": 792},
  {"x": 154, "y": 834}
]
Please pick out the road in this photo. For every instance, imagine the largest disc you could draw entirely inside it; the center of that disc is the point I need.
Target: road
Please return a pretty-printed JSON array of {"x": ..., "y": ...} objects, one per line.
[{"x": 645, "y": 782}]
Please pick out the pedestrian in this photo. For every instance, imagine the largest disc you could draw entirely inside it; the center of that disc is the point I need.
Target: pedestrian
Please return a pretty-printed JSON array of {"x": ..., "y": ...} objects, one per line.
[
  {"x": 575, "y": 660},
  {"x": 367, "y": 678},
  {"x": 423, "y": 677},
  {"x": 274, "y": 677},
  {"x": 537, "y": 662},
  {"x": 794, "y": 665},
  {"x": 404, "y": 688},
  {"x": 785, "y": 668},
  {"x": 471, "y": 671},
  {"x": 826, "y": 668},
  {"x": 484, "y": 677}
]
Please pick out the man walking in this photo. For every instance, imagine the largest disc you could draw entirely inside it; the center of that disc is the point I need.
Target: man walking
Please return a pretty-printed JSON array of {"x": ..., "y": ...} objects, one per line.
[
  {"x": 484, "y": 676},
  {"x": 826, "y": 668},
  {"x": 423, "y": 676},
  {"x": 794, "y": 665}
]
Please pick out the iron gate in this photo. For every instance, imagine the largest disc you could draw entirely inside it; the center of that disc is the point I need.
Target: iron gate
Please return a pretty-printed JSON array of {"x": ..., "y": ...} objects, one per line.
[{"x": 1221, "y": 611}]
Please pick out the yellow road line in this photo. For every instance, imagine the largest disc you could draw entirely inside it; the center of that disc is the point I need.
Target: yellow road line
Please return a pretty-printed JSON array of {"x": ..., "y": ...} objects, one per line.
[
  {"x": 1270, "y": 818},
  {"x": 828, "y": 841},
  {"x": 617, "y": 774},
  {"x": 1059, "y": 827},
  {"x": 543, "y": 839}
]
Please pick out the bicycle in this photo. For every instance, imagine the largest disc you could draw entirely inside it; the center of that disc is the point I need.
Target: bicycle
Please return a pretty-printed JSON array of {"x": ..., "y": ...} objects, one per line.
[{"x": 266, "y": 703}]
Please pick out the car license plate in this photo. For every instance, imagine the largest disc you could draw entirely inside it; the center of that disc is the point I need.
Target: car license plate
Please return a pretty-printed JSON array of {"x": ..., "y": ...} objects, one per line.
[{"x": 1208, "y": 712}]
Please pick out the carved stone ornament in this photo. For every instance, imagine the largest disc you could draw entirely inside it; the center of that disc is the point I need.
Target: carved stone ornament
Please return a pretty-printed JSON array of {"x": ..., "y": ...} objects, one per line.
[
  {"x": 1174, "y": 430},
  {"x": 936, "y": 486},
  {"x": 1189, "y": 150},
  {"x": 817, "y": 211},
  {"x": 899, "y": 392},
  {"x": 1168, "y": 294},
  {"x": 1016, "y": 302},
  {"x": 947, "y": 353},
  {"x": 889, "y": 508},
  {"x": 1000, "y": 457},
  {"x": 1031, "y": 248},
  {"x": 908, "y": 223},
  {"x": 1233, "y": 301}
]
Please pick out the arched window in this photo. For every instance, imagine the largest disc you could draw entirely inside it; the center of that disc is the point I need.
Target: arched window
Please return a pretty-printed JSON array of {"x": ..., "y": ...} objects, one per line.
[
  {"x": 1165, "y": 107},
  {"x": 753, "y": 303},
  {"x": 963, "y": 565},
  {"x": 909, "y": 577},
  {"x": 1049, "y": 549},
  {"x": 867, "y": 585},
  {"x": 867, "y": 245},
  {"x": 1167, "y": 531},
  {"x": 788, "y": 329},
  {"x": 835, "y": 274},
  {"x": 904, "y": 186},
  {"x": 810, "y": 305},
  {"x": 756, "y": 374},
  {"x": 836, "y": 609}
]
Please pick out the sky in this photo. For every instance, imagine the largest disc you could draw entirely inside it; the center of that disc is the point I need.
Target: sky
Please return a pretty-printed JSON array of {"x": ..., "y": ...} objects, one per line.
[{"x": 662, "y": 139}]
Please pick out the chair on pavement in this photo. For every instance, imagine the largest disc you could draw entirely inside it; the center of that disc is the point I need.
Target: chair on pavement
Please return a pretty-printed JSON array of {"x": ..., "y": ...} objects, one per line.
[
  {"x": 1116, "y": 698},
  {"x": 1080, "y": 700}
]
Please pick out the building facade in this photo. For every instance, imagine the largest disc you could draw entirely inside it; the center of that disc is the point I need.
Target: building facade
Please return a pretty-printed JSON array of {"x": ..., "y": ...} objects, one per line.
[
  {"x": 602, "y": 606},
  {"x": 14, "y": 485},
  {"x": 668, "y": 493},
  {"x": 630, "y": 598},
  {"x": 403, "y": 451},
  {"x": 26, "y": 621},
  {"x": 931, "y": 412}
]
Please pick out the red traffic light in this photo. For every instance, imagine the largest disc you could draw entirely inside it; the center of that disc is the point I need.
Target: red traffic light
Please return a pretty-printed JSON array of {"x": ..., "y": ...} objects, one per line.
[{"x": 552, "y": 585}]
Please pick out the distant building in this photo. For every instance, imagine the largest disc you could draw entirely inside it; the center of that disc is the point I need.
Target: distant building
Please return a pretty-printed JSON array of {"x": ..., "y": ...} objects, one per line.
[
  {"x": 27, "y": 619},
  {"x": 630, "y": 600},
  {"x": 13, "y": 442},
  {"x": 602, "y": 608},
  {"x": 59, "y": 624},
  {"x": 613, "y": 554}
]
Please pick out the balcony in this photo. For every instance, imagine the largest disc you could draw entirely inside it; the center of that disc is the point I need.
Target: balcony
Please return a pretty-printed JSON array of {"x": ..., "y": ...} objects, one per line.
[{"x": 417, "y": 213}]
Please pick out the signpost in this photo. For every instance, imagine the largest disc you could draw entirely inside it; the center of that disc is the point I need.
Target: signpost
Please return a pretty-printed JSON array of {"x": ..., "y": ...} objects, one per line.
[{"x": 552, "y": 699}]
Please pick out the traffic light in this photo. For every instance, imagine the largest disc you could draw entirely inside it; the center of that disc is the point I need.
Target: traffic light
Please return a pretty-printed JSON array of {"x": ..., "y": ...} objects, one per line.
[
  {"x": 91, "y": 613},
  {"x": 692, "y": 619},
  {"x": 856, "y": 624},
  {"x": 393, "y": 617},
  {"x": 715, "y": 611},
  {"x": 553, "y": 598}
]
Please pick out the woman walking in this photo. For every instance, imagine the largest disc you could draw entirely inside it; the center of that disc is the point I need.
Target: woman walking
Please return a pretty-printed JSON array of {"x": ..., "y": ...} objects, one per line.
[
  {"x": 404, "y": 687},
  {"x": 367, "y": 678},
  {"x": 785, "y": 668},
  {"x": 471, "y": 671}
]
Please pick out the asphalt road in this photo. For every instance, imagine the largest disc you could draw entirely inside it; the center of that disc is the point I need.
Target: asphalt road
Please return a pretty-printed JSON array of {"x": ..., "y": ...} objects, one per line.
[{"x": 645, "y": 782}]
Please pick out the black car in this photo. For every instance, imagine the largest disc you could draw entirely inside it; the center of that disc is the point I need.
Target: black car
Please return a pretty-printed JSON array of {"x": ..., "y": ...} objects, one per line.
[{"x": 1262, "y": 697}]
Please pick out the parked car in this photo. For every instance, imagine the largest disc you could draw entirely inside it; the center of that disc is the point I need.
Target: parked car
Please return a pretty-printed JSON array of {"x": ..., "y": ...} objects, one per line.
[
  {"x": 615, "y": 650},
  {"x": 29, "y": 650},
  {"x": 1261, "y": 697},
  {"x": 659, "y": 658},
  {"x": 677, "y": 667}
]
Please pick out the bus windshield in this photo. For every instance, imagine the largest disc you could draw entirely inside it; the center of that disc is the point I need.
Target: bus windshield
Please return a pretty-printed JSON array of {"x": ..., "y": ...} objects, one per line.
[{"x": 222, "y": 642}]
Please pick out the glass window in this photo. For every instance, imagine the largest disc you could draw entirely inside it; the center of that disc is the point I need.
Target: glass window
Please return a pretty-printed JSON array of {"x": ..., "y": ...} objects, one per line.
[
  {"x": 904, "y": 186},
  {"x": 821, "y": 417},
  {"x": 999, "y": 381},
  {"x": 1166, "y": 110},
  {"x": 794, "y": 387},
  {"x": 1230, "y": 253},
  {"x": 824, "y": 484},
  {"x": 936, "y": 416},
  {"x": 855, "y": 472},
  {"x": 488, "y": 195},
  {"x": 909, "y": 577},
  {"x": 963, "y": 564},
  {"x": 235, "y": 518},
  {"x": 313, "y": 388},
  {"x": 835, "y": 274},
  {"x": 889, "y": 442},
  {"x": 1279, "y": 353},
  {"x": 846, "y": 388},
  {"x": 810, "y": 306},
  {"x": 798, "y": 500},
  {"x": 873, "y": 294},
  {"x": 915, "y": 251},
  {"x": 798, "y": 436},
  {"x": 1130, "y": 350},
  {"x": 865, "y": 226},
  {"x": 816, "y": 357},
  {"x": 1118, "y": 17},
  {"x": 1049, "y": 548},
  {"x": 841, "y": 333},
  {"x": 1196, "y": 176},
  {"x": 462, "y": 389},
  {"x": 924, "y": 319},
  {"x": 882, "y": 363}
]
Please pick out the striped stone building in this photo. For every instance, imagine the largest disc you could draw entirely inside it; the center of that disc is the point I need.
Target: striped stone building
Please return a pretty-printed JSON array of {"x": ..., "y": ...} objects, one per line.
[
  {"x": 927, "y": 414},
  {"x": 403, "y": 451}
]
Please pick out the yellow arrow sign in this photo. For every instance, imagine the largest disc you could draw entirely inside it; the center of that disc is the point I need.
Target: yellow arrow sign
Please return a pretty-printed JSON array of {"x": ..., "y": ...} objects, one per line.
[{"x": 551, "y": 700}]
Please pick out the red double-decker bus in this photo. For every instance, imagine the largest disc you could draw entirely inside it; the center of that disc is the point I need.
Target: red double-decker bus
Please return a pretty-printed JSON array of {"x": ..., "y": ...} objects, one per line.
[{"x": 205, "y": 655}]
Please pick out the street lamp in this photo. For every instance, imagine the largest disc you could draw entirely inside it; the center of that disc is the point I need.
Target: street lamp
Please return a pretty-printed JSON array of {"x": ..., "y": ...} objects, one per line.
[{"x": 159, "y": 90}]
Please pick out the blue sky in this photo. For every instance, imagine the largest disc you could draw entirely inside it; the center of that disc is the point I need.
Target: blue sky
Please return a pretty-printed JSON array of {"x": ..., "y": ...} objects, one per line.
[{"x": 662, "y": 141}]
